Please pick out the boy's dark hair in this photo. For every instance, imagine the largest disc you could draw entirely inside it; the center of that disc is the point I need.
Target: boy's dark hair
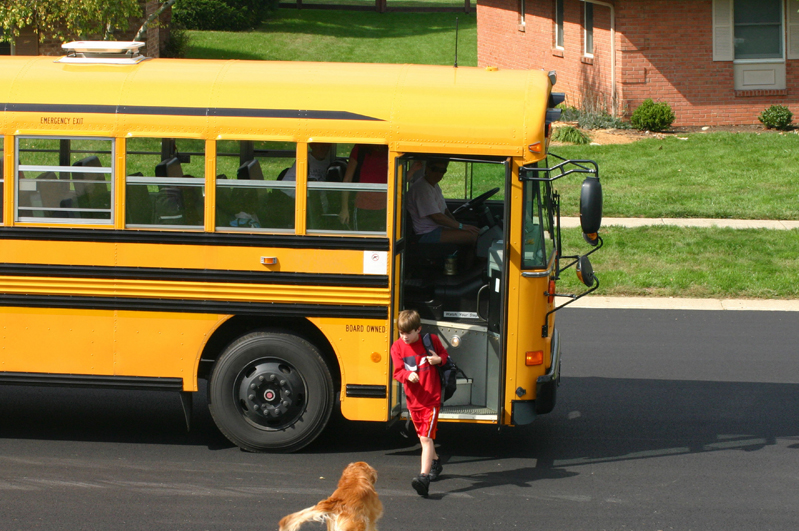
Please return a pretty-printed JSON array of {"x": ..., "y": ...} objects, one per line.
[{"x": 408, "y": 321}]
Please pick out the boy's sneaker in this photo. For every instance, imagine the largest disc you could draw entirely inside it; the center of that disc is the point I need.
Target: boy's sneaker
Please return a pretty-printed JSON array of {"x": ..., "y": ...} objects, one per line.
[
  {"x": 421, "y": 484},
  {"x": 435, "y": 470}
]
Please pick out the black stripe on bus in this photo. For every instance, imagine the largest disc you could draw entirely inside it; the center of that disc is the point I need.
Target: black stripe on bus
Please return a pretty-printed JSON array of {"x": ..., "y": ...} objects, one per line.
[
  {"x": 366, "y": 391},
  {"x": 193, "y": 275},
  {"x": 224, "y": 112},
  {"x": 138, "y": 383},
  {"x": 287, "y": 241},
  {"x": 255, "y": 309}
]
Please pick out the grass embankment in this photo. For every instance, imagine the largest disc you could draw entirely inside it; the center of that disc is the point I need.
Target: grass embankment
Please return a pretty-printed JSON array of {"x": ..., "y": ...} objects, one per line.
[
  {"x": 346, "y": 36},
  {"x": 718, "y": 175}
]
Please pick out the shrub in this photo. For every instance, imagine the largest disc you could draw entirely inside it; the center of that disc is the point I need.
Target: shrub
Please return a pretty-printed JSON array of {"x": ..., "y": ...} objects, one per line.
[
  {"x": 570, "y": 134},
  {"x": 221, "y": 15},
  {"x": 776, "y": 117},
  {"x": 651, "y": 116},
  {"x": 568, "y": 113},
  {"x": 596, "y": 120},
  {"x": 177, "y": 44}
]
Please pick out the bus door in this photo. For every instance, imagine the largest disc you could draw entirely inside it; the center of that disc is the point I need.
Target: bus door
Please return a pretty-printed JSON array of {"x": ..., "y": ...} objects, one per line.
[{"x": 459, "y": 289}]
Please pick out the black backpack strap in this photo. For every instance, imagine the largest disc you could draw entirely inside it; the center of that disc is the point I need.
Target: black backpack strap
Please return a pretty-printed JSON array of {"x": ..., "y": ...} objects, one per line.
[{"x": 428, "y": 343}]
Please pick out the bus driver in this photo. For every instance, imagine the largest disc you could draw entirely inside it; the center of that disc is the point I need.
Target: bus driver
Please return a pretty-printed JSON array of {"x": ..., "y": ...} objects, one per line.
[{"x": 432, "y": 220}]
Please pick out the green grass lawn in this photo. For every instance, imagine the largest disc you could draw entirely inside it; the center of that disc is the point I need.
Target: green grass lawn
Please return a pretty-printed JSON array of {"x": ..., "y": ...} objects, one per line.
[
  {"x": 346, "y": 36},
  {"x": 716, "y": 175},
  {"x": 691, "y": 262}
]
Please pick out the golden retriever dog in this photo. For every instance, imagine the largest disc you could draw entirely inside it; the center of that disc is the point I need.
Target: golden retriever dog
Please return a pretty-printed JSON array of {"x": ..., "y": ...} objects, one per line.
[{"x": 354, "y": 506}]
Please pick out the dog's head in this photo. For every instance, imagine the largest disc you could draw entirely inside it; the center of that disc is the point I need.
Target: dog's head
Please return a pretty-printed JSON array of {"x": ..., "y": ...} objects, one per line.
[{"x": 361, "y": 469}]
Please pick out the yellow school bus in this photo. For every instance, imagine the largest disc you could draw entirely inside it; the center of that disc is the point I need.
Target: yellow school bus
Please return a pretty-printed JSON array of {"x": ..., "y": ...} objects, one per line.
[{"x": 166, "y": 222}]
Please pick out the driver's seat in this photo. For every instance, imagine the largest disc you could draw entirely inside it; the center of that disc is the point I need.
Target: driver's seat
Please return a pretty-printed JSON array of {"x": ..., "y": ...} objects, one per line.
[{"x": 428, "y": 257}]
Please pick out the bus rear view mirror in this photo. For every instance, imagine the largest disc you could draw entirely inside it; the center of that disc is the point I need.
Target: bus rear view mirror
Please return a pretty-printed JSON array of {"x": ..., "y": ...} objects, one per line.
[
  {"x": 585, "y": 272},
  {"x": 591, "y": 209}
]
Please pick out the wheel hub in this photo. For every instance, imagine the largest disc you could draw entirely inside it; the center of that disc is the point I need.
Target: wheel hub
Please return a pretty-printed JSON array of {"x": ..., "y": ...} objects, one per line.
[{"x": 271, "y": 394}]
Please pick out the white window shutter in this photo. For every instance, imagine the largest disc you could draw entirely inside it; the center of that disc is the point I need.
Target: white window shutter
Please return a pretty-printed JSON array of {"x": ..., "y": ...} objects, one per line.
[
  {"x": 793, "y": 29},
  {"x": 722, "y": 31}
]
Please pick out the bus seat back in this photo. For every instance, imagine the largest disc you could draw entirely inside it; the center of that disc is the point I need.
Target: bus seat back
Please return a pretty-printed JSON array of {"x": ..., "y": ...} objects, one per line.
[
  {"x": 169, "y": 168},
  {"x": 250, "y": 170}
]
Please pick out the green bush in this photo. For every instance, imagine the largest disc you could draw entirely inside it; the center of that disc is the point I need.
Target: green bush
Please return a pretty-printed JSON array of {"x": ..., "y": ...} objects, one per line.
[
  {"x": 651, "y": 116},
  {"x": 776, "y": 117},
  {"x": 221, "y": 15},
  {"x": 600, "y": 120},
  {"x": 178, "y": 43},
  {"x": 568, "y": 113},
  {"x": 570, "y": 135}
]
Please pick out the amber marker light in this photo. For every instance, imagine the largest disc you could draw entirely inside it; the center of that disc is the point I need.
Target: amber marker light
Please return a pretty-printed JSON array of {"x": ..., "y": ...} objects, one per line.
[
  {"x": 534, "y": 358},
  {"x": 536, "y": 148}
]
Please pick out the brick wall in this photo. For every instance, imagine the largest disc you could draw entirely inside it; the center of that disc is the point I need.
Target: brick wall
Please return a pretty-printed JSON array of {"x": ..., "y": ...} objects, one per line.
[{"x": 663, "y": 51}]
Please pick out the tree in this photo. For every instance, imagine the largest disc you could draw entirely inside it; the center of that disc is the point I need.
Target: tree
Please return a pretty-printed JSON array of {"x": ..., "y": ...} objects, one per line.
[
  {"x": 66, "y": 19},
  {"x": 153, "y": 16}
]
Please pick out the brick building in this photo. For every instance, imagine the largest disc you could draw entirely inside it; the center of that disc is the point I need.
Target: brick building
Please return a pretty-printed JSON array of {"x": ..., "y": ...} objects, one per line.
[
  {"x": 715, "y": 62},
  {"x": 28, "y": 42}
]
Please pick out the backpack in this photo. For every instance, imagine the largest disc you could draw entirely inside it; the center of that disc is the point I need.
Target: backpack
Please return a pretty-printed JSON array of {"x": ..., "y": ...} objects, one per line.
[{"x": 448, "y": 372}]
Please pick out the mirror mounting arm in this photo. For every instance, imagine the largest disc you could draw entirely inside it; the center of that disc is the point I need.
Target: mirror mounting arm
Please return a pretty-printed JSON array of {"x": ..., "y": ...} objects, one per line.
[{"x": 545, "y": 327}]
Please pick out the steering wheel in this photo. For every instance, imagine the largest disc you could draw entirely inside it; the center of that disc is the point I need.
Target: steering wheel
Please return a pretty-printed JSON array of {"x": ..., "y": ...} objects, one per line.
[{"x": 477, "y": 201}]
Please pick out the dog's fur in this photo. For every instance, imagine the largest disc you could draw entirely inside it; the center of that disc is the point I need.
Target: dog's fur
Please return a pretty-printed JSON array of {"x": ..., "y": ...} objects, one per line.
[{"x": 354, "y": 506}]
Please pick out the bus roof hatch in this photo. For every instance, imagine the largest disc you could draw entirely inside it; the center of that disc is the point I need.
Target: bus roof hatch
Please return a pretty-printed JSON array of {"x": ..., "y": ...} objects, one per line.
[{"x": 102, "y": 52}]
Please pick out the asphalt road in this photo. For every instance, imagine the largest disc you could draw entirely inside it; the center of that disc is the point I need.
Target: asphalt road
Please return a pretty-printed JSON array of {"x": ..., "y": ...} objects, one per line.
[{"x": 665, "y": 420}]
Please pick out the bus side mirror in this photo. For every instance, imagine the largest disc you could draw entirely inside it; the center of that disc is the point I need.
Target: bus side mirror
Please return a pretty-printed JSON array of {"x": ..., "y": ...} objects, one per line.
[
  {"x": 585, "y": 272},
  {"x": 591, "y": 209}
]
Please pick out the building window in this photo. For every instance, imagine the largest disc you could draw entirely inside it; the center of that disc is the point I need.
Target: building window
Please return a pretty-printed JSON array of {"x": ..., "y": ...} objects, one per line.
[
  {"x": 559, "y": 23},
  {"x": 589, "y": 29},
  {"x": 757, "y": 29}
]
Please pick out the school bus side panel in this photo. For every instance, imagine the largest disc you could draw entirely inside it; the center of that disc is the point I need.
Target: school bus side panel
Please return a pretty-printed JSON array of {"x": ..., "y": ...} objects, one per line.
[
  {"x": 361, "y": 347},
  {"x": 104, "y": 342},
  {"x": 162, "y": 344}
]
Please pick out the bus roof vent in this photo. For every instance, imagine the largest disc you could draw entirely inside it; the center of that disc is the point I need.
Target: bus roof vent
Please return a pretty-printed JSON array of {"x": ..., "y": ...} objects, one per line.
[{"x": 102, "y": 52}]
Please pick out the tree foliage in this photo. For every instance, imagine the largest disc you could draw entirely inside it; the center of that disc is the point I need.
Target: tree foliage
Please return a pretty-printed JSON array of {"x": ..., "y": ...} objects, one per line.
[{"x": 68, "y": 18}]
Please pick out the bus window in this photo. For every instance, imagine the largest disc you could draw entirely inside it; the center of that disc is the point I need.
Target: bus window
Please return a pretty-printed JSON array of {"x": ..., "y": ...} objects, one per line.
[
  {"x": 252, "y": 191},
  {"x": 66, "y": 179},
  {"x": 2, "y": 172},
  {"x": 164, "y": 187},
  {"x": 353, "y": 197},
  {"x": 537, "y": 237}
]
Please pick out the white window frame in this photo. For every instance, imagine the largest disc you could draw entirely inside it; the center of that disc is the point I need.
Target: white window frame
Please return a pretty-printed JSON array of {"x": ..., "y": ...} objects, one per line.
[
  {"x": 724, "y": 33},
  {"x": 560, "y": 40},
  {"x": 586, "y": 32},
  {"x": 783, "y": 44},
  {"x": 19, "y": 218}
]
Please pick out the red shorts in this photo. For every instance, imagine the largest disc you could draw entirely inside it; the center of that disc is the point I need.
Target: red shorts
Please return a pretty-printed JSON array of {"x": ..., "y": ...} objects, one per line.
[{"x": 425, "y": 421}]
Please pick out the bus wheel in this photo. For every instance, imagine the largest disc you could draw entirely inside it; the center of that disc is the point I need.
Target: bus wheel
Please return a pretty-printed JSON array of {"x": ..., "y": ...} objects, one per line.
[{"x": 271, "y": 391}]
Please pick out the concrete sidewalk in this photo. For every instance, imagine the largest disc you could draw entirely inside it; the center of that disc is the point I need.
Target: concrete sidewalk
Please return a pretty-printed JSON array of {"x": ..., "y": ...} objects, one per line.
[
  {"x": 664, "y": 303},
  {"x": 691, "y": 222}
]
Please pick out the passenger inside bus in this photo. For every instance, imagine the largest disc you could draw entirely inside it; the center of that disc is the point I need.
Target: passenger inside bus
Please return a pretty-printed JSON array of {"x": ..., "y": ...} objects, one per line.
[
  {"x": 367, "y": 164},
  {"x": 321, "y": 156},
  {"x": 92, "y": 190}
]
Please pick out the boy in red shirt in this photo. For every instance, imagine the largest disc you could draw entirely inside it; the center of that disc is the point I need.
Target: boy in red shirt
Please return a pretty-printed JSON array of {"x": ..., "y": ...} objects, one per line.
[{"x": 414, "y": 368}]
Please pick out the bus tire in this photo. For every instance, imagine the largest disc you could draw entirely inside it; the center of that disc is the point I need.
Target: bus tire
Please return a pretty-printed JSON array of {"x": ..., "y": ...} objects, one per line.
[{"x": 270, "y": 391}]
